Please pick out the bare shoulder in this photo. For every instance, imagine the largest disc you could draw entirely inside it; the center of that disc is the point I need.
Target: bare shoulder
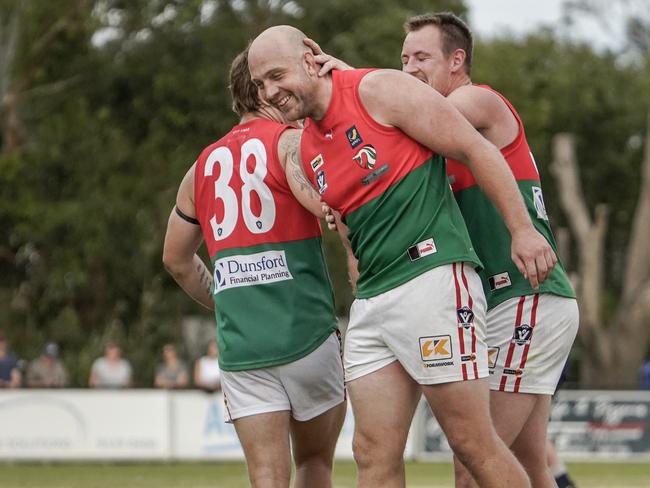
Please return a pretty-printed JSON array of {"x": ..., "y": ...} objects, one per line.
[{"x": 483, "y": 108}]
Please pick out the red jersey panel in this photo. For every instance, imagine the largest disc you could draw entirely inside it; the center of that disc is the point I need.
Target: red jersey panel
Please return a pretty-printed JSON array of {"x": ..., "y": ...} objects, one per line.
[
  {"x": 241, "y": 195},
  {"x": 350, "y": 158},
  {"x": 517, "y": 154}
]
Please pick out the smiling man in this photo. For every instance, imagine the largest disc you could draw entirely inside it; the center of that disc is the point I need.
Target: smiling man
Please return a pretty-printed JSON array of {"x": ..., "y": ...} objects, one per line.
[{"x": 371, "y": 148}]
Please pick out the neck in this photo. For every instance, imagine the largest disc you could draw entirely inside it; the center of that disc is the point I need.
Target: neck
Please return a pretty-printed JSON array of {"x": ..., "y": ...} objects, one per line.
[
  {"x": 263, "y": 112},
  {"x": 322, "y": 98},
  {"x": 462, "y": 79}
]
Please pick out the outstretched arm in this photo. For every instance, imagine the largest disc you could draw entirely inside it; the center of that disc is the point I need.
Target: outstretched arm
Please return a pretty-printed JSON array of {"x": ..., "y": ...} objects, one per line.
[
  {"x": 396, "y": 99},
  {"x": 182, "y": 241}
]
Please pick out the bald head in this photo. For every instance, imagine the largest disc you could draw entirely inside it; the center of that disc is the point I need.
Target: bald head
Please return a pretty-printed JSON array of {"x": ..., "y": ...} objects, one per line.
[
  {"x": 284, "y": 70},
  {"x": 279, "y": 40}
]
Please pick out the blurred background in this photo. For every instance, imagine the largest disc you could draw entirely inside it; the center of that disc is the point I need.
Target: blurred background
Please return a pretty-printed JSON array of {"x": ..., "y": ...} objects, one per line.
[{"x": 105, "y": 104}]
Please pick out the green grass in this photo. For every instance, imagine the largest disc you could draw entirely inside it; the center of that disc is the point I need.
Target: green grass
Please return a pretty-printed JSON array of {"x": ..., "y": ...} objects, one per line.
[{"x": 233, "y": 475}]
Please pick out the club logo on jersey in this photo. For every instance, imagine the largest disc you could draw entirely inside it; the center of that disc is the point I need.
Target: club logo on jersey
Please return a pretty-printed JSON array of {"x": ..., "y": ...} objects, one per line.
[
  {"x": 499, "y": 281},
  {"x": 538, "y": 200},
  {"x": 374, "y": 175},
  {"x": 493, "y": 355},
  {"x": 465, "y": 317},
  {"x": 366, "y": 157},
  {"x": 354, "y": 138},
  {"x": 422, "y": 249},
  {"x": 320, "y": 181},
  {"x": 436, "y": 348},
  {"x": 250, "y": 269},
  {"x": 317, "y": 162},
  {"x": 468, "y": 357},
  {"x": 522, "y": 334}
]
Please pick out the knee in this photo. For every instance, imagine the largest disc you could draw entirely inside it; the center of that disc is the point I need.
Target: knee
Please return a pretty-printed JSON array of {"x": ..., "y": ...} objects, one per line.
[
  {"x": 467, "y": 448},
  {"x": 372, "y": 452}
]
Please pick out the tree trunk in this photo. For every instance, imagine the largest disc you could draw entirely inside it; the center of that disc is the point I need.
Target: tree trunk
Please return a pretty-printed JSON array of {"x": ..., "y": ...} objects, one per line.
[{"x": 613, "y": 351}]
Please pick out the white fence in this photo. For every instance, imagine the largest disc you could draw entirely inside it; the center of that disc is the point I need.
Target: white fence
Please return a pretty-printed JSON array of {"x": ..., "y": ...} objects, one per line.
[{"x": 188, "y": 425}]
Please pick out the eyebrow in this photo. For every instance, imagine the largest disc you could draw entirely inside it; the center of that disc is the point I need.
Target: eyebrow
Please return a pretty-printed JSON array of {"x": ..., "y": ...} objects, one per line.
[
  {"x": 269, "y": 73},
  {"x": 418, "y": 53}
]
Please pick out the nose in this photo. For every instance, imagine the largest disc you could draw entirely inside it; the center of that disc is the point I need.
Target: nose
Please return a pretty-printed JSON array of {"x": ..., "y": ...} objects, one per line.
[
  {"x": 410, "y": 66},
  {"x": 270, "y": 91}
]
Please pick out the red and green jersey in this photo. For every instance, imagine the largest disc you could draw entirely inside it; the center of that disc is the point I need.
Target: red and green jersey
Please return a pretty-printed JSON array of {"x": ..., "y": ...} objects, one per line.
[
  {"x": 273, "y": 298},
  {"x": 501, "y": 278},
  {"x": 391, "y": 191}
]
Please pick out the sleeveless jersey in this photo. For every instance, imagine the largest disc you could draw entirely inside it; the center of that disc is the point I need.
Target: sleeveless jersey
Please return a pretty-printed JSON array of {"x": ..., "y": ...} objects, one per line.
[
  {"x": 500, "y": 276},
  {"x": 391, "y": 191},
  {"x": 273, "y": 298}
]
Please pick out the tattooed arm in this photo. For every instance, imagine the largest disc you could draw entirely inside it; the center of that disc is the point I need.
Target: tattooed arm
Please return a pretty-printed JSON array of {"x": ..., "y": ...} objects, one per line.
[
  {"x": 182, "y": 240},
  {"x": 302, "y": 189}
]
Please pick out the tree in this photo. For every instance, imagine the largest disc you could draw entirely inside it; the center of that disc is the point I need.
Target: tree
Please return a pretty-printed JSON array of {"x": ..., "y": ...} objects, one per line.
[{"x": 616, "y": 347}]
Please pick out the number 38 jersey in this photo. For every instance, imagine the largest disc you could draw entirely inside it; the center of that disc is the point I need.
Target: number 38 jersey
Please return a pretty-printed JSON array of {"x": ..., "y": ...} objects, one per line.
[{"x": 273, "y": 297}]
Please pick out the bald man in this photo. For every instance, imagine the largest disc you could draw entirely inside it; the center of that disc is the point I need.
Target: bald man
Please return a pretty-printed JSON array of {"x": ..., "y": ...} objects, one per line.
[{"x": 372, "y": 147}]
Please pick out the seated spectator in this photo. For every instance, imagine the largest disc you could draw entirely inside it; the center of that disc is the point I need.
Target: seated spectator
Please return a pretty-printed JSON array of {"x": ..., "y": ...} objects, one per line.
[
  {"x": 172, "y": 373},
  {"x": 10, "y": 375},
  {"x": 110, "y": 370},
  {"x": 207, "y": 374},
  {"x": 47, "y": 370}
]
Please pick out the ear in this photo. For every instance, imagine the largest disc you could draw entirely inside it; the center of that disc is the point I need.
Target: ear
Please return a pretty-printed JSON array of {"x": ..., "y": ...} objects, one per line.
[
  {"x": 457, "y": 60},
  {"x": 310, "y": 64}
]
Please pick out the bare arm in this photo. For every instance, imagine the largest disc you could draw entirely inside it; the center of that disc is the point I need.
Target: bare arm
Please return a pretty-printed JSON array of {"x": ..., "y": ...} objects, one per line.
[
  {"x": 334, "y": 223},
  {"x": 396, "y": 99},
  {"x": 302, "y": 189},
  {"x": 182, "y": 241}
]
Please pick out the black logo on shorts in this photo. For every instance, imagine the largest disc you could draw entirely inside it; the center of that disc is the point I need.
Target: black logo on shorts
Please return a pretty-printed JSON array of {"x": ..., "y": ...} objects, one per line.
[
  {"x": 465, "y": 317},
  {"x": 522, "y": 334}
]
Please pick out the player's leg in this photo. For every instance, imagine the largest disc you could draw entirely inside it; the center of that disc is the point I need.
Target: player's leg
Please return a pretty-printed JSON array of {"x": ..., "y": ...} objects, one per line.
[
  {"x": 384, "y": 402},
  {"x": 258, "y": 406},
  {"x": 509, "y": 413},
  {"x": 557, "y": 467},
  {"x": 313, "y": 444},
  {"x": 530, "y": 445},
  {"x": 463, "y": 411},
  {"x": 265, "y": 441},
  {"x": 444, "y": 350},
  {"x": 315, "y": 387},
  {"x": 383, "y": 396}
]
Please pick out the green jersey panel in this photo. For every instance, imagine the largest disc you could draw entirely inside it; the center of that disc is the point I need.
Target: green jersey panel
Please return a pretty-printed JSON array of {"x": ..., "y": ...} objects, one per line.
[
  {"x": 274, "y": 303},
  {"x": 414, "y": 226}
]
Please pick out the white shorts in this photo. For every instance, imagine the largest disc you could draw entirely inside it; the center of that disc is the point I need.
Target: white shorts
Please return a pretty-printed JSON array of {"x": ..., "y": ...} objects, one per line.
[
  {"x": 306, "y": 387},
  {"x": 434, "y": 325},
  {"x": 529, "y": 339}
]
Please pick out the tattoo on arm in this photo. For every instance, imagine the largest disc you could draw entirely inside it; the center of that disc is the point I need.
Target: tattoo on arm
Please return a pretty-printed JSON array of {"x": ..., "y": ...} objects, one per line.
[
  {"x": 292, "y": 147},
  {"x": 205, "y": 278}
]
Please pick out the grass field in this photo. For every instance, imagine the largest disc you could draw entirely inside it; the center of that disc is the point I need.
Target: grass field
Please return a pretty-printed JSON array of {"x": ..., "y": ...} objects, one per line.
[{"x": 233, "y": 475}]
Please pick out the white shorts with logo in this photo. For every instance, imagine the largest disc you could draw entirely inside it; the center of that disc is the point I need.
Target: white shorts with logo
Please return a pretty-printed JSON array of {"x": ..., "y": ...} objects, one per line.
[
  {"x": 529, "y": 339},
  {"x": 306, "y": 387},
  {"x": 434, "y": 325}
]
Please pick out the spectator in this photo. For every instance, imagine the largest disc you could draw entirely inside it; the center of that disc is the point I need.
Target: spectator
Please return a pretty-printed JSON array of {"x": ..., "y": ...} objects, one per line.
[
  {"x": 172, "y": 373},
  {"x": 207, "y": 374},
  {"x": 110, "y": 370},
  {"x": 47, "y": 370},
  {"x": 10, "y": 376},
  {"x": 644, "y": 376}
]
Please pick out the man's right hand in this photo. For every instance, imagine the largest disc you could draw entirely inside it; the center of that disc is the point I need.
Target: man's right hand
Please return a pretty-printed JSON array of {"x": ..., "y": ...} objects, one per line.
[{"x": 327, "y": 62}]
